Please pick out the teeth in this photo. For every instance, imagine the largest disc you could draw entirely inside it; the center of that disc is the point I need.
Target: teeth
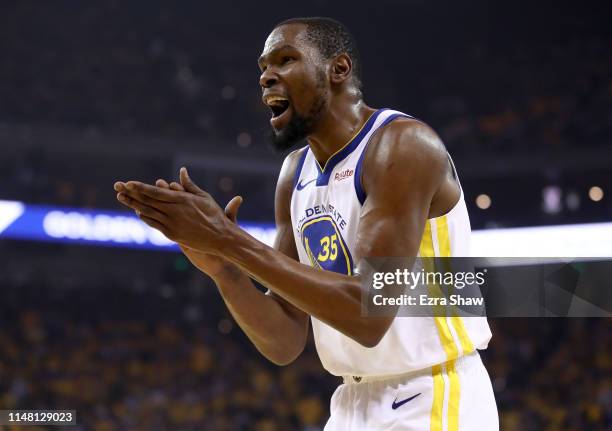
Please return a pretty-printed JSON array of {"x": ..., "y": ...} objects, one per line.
[{"x": 275, "y": 100}]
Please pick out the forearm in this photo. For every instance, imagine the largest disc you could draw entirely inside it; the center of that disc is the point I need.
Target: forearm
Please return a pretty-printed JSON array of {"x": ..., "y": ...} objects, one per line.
[
  {"x": 330, "y": 297},
  {"x": 274, "y": 332}
]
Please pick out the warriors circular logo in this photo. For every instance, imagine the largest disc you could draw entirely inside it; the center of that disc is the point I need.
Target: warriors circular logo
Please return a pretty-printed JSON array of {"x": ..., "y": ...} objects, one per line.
[{"x": 325, "y": 246}]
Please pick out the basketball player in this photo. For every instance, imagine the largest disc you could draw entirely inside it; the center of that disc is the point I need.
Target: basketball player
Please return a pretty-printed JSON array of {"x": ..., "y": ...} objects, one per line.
[{"x": 370, "y": 182}]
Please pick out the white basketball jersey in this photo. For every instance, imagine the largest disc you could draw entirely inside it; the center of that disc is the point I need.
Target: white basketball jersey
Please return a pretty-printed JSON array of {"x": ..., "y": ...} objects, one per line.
[{"x": 326, "y": 207}]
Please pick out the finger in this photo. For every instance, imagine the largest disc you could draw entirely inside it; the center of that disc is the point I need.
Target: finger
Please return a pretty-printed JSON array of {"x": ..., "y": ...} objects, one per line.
[
  {"x": 161, "y": 206},
  {"x": 135, "y": 205},
  {"x": 140, "y": 208},
  {"x": 162, "y": 184},
  {"x": 154, "y": 224},
  {"x": 176, "y": 186},
  {"x": 119, "y": 186},
  {"x": 154, "y": 192},
  {"x": 125, "y": 200},
  {"x": 188, "y": 184},
  {"x": 231, "y": 209}
]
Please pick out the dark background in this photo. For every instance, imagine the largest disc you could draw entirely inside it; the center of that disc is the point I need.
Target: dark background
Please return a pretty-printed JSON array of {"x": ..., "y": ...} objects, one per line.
[{"x": 93, "y": 92}]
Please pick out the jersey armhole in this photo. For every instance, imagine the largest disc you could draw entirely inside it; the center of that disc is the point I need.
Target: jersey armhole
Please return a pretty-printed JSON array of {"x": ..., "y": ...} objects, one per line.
[
  {"x": 455, "y": 174},
  {"x": 300, "y": 165},
  {"x": 361, "y": 194}
]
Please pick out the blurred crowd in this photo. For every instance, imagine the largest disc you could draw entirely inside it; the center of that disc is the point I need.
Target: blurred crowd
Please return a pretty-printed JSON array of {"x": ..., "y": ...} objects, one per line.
[
  {"x": 147, "y": 359},
  {"x": 548, "y": 97},
  {"x": 180, "y": 71}
]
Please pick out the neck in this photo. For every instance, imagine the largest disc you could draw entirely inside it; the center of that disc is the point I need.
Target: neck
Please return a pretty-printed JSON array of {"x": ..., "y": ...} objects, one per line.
[{"x": 337, "y": 127}]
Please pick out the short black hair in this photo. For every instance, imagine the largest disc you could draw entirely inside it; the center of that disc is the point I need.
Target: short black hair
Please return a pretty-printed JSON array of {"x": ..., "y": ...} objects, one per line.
[{"x": 332, "y": 38}]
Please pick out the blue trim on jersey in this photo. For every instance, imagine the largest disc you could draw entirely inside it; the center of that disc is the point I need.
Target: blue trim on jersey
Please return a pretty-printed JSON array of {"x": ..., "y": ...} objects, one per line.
[
  {"x": 361, "y": 194},
  {"x": 300, "y": 165},
  {"x": 323, "y": 178}
]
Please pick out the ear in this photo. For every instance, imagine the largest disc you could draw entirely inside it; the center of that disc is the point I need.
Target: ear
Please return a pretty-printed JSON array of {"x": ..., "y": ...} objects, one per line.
[{"x": 341, "y": 68}]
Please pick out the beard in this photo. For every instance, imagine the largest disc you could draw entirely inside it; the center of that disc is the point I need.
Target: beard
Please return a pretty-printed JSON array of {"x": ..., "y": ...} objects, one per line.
[{"x": 300, "y": 126}]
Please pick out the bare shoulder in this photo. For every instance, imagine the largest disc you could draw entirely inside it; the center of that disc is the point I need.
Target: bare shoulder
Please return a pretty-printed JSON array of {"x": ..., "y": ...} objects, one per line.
[
  {"x": 408, "y": 158},
  {"x": 409, "y": 141}
]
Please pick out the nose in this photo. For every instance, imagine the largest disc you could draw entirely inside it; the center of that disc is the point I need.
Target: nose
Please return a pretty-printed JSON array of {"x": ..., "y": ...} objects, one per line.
[{"x": 267, "y": 79}]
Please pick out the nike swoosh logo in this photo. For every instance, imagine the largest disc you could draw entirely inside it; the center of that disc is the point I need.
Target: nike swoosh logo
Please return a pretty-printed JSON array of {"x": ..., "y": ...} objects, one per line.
[
  {"x": 301, "y": 186},
  {"x": 397, "y": 404}
]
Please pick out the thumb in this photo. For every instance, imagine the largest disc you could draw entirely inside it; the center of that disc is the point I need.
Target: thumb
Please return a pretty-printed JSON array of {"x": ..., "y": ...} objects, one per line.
[
  {"x": 231, "y": 209},
  {"x": 188, "y": 184}
]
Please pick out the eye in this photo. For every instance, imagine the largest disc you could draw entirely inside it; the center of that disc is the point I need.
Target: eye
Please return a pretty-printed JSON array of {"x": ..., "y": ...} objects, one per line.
[{"x": 286, "y": 59}]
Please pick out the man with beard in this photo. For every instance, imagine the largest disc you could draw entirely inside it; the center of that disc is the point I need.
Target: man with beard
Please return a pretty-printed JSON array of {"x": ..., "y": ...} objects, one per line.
[{"x": 370, "y": 183}]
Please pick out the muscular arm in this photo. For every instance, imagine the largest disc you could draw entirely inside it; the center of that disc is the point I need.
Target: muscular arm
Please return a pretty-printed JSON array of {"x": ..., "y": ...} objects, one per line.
[
  {"x": 276, "y": 328},
  {"x": 406, "y": 178},
  {"x": 403, "y": 171}
]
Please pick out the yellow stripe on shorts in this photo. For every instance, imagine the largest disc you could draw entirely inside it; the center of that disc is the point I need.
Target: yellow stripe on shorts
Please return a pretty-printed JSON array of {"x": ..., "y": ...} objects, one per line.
[
  {"x": 437, "y": 407},
  {"x": 453, "y": 400},
  {"x": 454, "y": 393}
]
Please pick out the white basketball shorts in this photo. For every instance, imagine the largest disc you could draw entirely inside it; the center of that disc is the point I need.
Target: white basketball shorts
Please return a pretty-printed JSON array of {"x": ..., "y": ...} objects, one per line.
[{"x": 454, "y": 396}]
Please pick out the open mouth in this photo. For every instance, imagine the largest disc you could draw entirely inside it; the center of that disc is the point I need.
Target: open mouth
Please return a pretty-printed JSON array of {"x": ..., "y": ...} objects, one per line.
[{"x": 280, "y": 107}]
